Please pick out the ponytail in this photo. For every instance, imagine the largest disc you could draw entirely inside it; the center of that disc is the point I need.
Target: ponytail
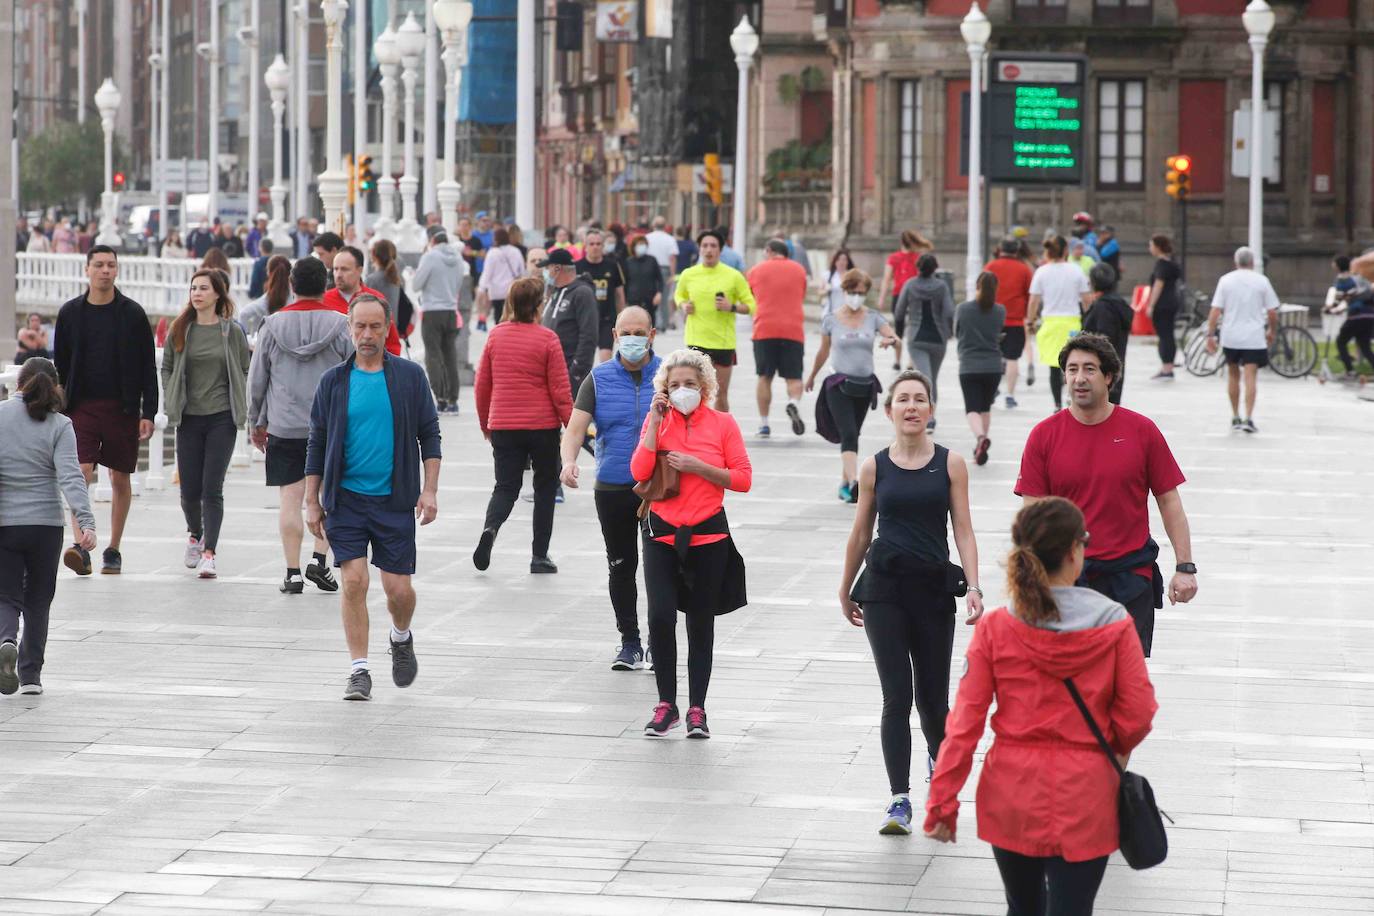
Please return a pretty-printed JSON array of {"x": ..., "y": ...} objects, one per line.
[
  {"x": 1028, "y": 584},
  {"x": 40, "y": 389},
  {"x": 1043, "y": 537}
]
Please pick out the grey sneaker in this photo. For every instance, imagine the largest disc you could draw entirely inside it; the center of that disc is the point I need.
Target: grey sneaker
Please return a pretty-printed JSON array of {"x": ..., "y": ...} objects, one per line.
[
  {"x": 793, "y": 414},
  {"x": 31, "y": 690},
  {"x": 9, "y": 665},
  {"x": 403, "y": 664},
  {"x": 194, "y": 547},
  {"x": 1249, "y": 427},
  {"x": 359, "y": 686},
  {"x": 1236, "y": 424},
  {"x": 111, "y": 562},
  {"x": 78, "y": 560}
]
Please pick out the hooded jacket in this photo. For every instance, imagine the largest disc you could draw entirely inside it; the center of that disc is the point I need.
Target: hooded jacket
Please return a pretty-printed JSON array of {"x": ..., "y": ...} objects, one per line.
[
  {"x": 1111, "y": 317},
  {"x": 1046, "y": 789},
  {"x": 571, "y": 313},
  {"x": 438, "y": 279},
  {"x": 914, "y": 292},
  {"x": 296, "y": 346}
]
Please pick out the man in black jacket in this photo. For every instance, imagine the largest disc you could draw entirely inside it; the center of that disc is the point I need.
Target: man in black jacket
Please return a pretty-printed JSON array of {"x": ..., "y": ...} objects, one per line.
[
  {"x": 105, "y": 358},
  {"x": 571, "y": 313},
  {"x": 1110, "y": 316}
]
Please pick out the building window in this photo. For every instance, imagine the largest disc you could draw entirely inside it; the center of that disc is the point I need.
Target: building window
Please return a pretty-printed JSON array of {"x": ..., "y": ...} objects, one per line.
[
  {"x": 1273, "y": 140},
  {"x": 1123, "y": 12},
  {"x": 1121, "y": 134},
  {"x": 908, "y": 132},
  {"x": 1046, "y": 11}
]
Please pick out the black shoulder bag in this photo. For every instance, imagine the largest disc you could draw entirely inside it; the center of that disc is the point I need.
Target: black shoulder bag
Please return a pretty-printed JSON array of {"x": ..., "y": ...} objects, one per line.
[{"x": 1144, "y": 843}]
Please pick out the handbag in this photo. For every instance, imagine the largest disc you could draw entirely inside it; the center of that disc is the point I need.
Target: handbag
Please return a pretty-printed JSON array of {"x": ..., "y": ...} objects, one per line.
[
  {"x": 1144, "y": 844},
  {"x": 662, "y": 485}
]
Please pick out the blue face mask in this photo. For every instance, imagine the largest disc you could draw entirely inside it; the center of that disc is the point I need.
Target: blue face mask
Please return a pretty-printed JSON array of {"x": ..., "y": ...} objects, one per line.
[
  {"x": 548, "y": 277},
  {"x": 633, "y": 348}
]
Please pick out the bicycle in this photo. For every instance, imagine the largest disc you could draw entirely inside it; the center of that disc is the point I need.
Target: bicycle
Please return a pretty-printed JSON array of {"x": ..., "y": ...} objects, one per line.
[
  {"x": 1294, "y": 352},
  {"x": 1197, "y": 359}
]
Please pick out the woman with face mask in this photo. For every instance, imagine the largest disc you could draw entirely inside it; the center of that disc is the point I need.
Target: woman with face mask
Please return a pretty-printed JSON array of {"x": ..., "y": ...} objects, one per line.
[
  {"x": 690, "y": 561},
  {"x": 851, "y": 389},
  {"x": 643, "y": 278}
]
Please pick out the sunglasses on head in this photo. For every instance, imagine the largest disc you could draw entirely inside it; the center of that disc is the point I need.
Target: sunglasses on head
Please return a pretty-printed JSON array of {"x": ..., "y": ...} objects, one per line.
[{"x": 1085, "y": 538}]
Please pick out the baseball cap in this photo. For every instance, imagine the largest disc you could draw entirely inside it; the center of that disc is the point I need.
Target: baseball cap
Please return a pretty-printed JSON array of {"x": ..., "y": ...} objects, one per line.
[
  {"x": 260, "y": 215},
  {"x": 559, "y": 257},
  {"x": 1082, "y": 216}
]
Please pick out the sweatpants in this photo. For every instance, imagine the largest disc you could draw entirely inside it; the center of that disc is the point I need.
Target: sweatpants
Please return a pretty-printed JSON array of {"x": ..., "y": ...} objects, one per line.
[
  {"x": 205, "y": 443},
  {"x": 1164, "y": 329},
  {"x": 512, "y": 450},
  {"x": 439, "y": 331},
  {"x": 912, "y": 644},
  {"x": 29, "y": 555},
  {"x": 849, "y": 414},
  {"x": 1048, "y": 885},
  {"x": 927, "y": 357},
  {"x": 661, "y": 583},
  {"x": 1359, "y": 330},
  {"x": 617, "y": 511}
]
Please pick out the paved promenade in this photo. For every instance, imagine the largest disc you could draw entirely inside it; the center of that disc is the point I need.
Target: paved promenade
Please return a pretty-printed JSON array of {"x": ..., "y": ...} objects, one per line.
[{"x": 193, "y": 755}]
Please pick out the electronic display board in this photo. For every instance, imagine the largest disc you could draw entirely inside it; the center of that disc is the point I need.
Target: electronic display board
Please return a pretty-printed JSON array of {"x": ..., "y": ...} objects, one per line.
[{"x": 1035, "y": 119}]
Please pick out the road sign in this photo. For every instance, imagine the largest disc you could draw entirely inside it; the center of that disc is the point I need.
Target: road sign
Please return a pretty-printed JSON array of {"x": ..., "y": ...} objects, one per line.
[
  {"x": 1035, "y": 118},
  {"x": 191, "y": 176},
  {"x": 1240, "y": 142}
]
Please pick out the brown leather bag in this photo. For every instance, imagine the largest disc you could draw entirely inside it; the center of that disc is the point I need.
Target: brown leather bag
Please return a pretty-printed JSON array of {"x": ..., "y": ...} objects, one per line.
[{"x": 662, "y": 485}]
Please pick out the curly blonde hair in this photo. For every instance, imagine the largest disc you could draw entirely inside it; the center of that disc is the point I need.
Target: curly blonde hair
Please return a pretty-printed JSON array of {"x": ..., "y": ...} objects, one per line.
[{"x": 706, "y": 371}]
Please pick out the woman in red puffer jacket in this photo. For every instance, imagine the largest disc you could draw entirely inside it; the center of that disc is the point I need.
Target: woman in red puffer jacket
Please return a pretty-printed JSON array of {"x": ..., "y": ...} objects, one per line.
[
  {"x": 1047, "y": 795},
  {"x": 523, "y": 399}
]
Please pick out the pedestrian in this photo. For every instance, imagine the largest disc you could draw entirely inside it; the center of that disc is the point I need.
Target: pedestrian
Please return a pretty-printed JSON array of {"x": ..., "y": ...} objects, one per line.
[
  {"x": 901, "y": 267},
  {"x": 616, "y": 398},
  {"x": 276, "y": 295},
  {"x": 1111, "y": 316},
  {"x": 928, "y": 306},
  {"x": 523, "y": 399},
  {"x": 570, "y": 311},
  {"x": 258, "y": 279},
  {"x": 302, "y": 238},
  {"x": 504, "y": 266},
  {"x": 517, "y": 239},
  {"x": 325, "y": 246},
  {"x": 608, "y": 283},
  {"x": 779, "y": 287},
  {"x": 533, "y": 258},
  {"x": 296, "y": 346},
  {"x": 1163, "y": 304},
  {"x": 1109, "y": 248},
  {"x": 347, "y": 270},
  {"x": 204, "y": 382},
  {"x": 229, "y": 242},
  {"x": 691, "y": 563},
  {"x": 38, "y": 242},
  {"x": 437, "y": 282},
  {"x": 108, "y": 369},
  {"x": 171, "y": 245},
  {"x": 1078, "y": 255},
  {"x": 253, "y": 241},
  {"x": 711, "y": 294},
  {"x": 64, "y": 238},
  {"x": 915, "y": 491},
  {"x": 1047, "y": 796},
  {"x": 1083, "y": 230},
  {"x": 1350, "y": 295},
  {"x": 485, "y": 230},
  {"x": 372, "y": 426},
  {"x": 978, "y": 326},
  {"x": 644, "y": 282},
  {"x": 797, "y": 252},
  {"x": 1247, "y": 299},
  {"x": 832, "y": 282},
  {"x": 1108, "y": 460},
  {"x": 663, "y": 248},
  {"x": 1013, "y": 292},
  {"x": 1058, "y": 294},
  {"x": 385, "y": 279},
  {"x": 215, "y": 259},
  {"x": 38, "y": 457},
  {"x": 851, "y": 390},
  {"x": 32, "y": 340},
  {"x": 200, "y": 240}
]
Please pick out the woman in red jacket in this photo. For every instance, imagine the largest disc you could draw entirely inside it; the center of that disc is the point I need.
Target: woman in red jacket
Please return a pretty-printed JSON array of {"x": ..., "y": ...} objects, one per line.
[
  {"x": 1047, "y": 796},
  {"x": 690, "y": 560},
  {"x": 523, "y": 399}
]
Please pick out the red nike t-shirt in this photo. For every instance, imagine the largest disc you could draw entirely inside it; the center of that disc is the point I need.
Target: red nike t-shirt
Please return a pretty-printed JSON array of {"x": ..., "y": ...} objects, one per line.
[
  {"x": 903, "y": 264},
  {"x": 1107, "y": 470}
]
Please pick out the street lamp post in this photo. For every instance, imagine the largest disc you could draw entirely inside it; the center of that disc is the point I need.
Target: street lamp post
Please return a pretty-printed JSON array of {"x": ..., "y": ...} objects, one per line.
[
  {"x": 1259, "y": 22},
  {"x": 360, "y": 16},
  {"x": 976, "y": 30},
  {"x": 249, "y": 36},
  {"x": 451, "y": 17},
  {"x": 745, "y": 42},
  {"x": 209, "y": 50},
  {"x": 410, "y": 41},
  {"x": 107, "y": 101},
  {"x": 388, "y": 55},
  {"x": 156, "y": 182},
  {"x": 81, "y": 6},
  {"x": 301, "y": 145},
  {"x": 524, "y": 113},
  {"x": 165, "y": 127},
  {"x": 333, "y": 180},
  {"x": 278, "y": 80}
]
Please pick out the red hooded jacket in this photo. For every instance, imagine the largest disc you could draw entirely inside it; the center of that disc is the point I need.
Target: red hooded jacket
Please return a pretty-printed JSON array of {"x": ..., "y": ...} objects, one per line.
[
  {"x": 335, "y": 300},
  {"x": 1047, "y": 789}
]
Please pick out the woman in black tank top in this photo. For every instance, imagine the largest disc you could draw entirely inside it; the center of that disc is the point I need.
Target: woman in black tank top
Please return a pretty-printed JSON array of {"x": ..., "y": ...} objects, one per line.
[{"x": 904, "y": 600}]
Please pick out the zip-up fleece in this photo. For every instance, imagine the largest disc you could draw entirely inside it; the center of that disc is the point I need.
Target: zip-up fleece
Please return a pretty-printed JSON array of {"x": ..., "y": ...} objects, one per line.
[
  {"x": 713, "y": 437},
  {"x": 296, "y": 346}
]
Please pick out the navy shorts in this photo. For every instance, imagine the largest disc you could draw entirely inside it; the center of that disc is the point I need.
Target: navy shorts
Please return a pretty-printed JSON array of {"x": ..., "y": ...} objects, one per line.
[{"x": 357, "y": 521}]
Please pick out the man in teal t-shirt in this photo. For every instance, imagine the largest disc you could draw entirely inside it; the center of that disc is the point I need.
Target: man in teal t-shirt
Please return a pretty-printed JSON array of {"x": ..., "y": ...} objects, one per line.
[{"x": 369, "y": 442}]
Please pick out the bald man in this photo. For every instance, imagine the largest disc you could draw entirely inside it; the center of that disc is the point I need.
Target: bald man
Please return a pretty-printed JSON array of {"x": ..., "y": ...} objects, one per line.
[{"x": 616, "y": 396}]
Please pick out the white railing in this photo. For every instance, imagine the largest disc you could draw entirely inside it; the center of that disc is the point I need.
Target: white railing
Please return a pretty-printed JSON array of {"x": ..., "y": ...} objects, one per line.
[{"x": 44, "y": 281}]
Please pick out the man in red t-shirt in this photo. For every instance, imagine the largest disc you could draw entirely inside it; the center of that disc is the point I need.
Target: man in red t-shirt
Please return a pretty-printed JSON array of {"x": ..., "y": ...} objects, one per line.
[
  {"x": 779, "y": 285},
  {"x": 348, "y": 285},
  {"x": 1107, "y": 460},
  {"x": 1013, "y": 292}
]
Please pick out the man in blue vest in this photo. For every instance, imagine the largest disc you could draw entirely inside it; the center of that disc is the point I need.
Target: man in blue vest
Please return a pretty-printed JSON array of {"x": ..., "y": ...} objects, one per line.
[{"x": 616, "y": 396}]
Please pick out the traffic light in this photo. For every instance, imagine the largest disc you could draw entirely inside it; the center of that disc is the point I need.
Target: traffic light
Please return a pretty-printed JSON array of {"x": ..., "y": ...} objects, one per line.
[
  {"x": 1179, "y": 176},
  {"x": 714, "y": 180},
  {"x": 367, "y": 181},
  {"x": 118, "y": 180},
  {"x": 352, "y": 178}
]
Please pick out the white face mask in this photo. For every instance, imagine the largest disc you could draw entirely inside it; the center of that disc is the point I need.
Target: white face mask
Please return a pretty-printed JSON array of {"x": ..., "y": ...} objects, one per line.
[
  {"x": 641, "y": 249},
  {"x": 854, "y": 301},
  {"x": 685, "y": 399}
]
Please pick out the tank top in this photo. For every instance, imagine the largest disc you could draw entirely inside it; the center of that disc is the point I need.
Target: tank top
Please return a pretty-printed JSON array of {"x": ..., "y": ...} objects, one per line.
[{"x": 913, "y": 506}]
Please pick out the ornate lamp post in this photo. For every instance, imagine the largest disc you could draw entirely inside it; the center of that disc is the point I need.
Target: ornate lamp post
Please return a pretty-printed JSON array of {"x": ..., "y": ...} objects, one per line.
[
  {"x": 248, "y": 36},
  {"x": 333, "y": 181},
  {"x": 410, "y": 41},
  {"x": 209, "y": 50},
  {"x": 745, "y": 42},
  {"x": 278, "y": 80},
  {"x": 107, "y": 101},
  {"x": 451, "y": 17},
  {"x": 1259, "y": 22},
  {"x": 976, "y": 30},
  {"x": 388, "y": 55}
]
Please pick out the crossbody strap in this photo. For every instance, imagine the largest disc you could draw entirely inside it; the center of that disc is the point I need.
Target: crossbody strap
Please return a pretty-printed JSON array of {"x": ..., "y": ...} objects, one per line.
[{"x": 1092, "y": 724}]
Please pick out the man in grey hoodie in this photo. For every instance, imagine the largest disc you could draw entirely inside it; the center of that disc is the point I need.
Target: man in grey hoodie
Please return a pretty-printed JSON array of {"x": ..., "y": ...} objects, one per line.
[
  {"x": 296, "y": 346},
  {"x": 438, "y": 281}
]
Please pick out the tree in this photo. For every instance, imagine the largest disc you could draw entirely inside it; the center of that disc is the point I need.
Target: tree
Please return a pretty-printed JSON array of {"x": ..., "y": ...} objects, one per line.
[{"x": 63, "y": 164}]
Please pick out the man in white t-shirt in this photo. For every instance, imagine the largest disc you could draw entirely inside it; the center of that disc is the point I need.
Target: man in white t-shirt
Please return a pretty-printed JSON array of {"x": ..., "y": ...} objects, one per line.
[
  {"x": 663, "y": 249},
  {"x": 1247, "y": 299}
]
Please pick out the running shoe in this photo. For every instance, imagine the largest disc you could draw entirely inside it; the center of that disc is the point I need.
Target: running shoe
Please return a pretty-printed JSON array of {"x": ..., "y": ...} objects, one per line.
[
  {"x": 765, "y": 432},
  {"x": 78, "y": 560},
  {"x": 1011, "y": 403},
  {"x": 980, "y": 451},
  {"x": 793, "y": 414},
  {"x": 481, "y": 324},
  {"x": 1249, "y": 426},
  {"x": 1162, "y": 377},
  {"x": 853, "y": 492},
  {"x": 206, "y": 568},
  {"x": 846, "y": 493},
  {"x": 696, "y": 723},
  {"x": 558, "y": 496},
  {"x": 359, "y": 685},
  {"x": 1236, "y": 424},
  {"x": 629, "y": 658},
  {"x": 665, "y": 719},
  {"x": 9, "y": 667},
  {"x": 194, "y": 547},
  {"x": 293, "y": 584},
  {"x": 648, "y": 660},
  {"x": 481, "y": 557},
  {"x": 31, "y": 689},
  {"x": 111, "y": 562},
  {"x": 322, "y": 576},
  {"x": 897, "y": 821},
  {"x": 404, "y": 667},
  {"x": 542, "y": 565}
]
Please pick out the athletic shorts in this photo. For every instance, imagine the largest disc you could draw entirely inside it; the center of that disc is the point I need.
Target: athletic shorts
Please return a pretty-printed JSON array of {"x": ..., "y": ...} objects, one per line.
[
  {"x": 106, "y": 435},
  {"x": 285, "y": 461},
  {"x": 604, "y": 338},
  {"x": 1013, "y": 342},
  {"x": 357, "y": 521},
  {"x": 1239, "y": 357},
  {"x": 779, "y": 356},
  {"x": 726, "y": 358},
  {"x": 980, "y": 389}
]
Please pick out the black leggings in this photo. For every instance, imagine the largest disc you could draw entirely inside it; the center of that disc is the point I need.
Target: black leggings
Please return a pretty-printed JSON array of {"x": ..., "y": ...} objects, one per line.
[
  {"x": 1048, "y": 885},
  {"x": 1359, "y": 330},
  {"x": 849, "y": 414},
  {"x": 512, "y": 450},
  {"x": 1164, "y": 329},
  {"x": 912, "y": 644},
  {"x": 617, "y": 510},
  {"x": 205, "y": 443},
  {"x": 661, "y": 585},
  {"x": 29, "y": 555},
  {"x": 1057, "y": 386}
]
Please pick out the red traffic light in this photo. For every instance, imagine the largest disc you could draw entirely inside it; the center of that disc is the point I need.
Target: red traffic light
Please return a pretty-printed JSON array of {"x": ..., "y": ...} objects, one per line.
[
  {"x": 118, "y": 180},
  {"x": 1180, "y": 163}
]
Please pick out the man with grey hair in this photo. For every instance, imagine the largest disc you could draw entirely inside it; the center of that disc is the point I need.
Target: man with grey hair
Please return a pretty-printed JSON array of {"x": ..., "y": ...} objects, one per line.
[{"x": 1247, "y": 299}]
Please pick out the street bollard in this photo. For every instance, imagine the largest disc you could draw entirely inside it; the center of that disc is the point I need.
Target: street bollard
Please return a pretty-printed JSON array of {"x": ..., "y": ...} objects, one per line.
[
  {"x": 156, "y": 476},
  {"x": 243, "y": 450}
]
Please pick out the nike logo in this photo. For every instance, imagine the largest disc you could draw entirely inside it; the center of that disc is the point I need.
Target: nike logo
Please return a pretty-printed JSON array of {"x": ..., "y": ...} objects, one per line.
[{"x": 1118, "y": 440}]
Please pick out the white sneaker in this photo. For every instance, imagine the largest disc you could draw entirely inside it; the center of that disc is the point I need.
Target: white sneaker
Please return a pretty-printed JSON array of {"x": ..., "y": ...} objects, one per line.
[
  {"x": 206, "y": 568},
  {"x": 31, "y": 690},
  {"x": 194, "y": 546}
]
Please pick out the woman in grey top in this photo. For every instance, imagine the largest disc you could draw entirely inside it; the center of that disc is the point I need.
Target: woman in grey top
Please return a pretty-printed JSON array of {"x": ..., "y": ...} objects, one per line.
[
  {"x": 37, "y": 457},
  {"x": 929, "y": 310},
  {"x": 851, "y": 390},
  {"x": 978, "y": 328}
]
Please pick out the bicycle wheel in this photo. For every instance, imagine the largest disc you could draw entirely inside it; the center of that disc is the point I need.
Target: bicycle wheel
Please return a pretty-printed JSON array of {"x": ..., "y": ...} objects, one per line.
[
  {"x": 1198, "y": 361},
  {"x": 1294, "y": 352}
]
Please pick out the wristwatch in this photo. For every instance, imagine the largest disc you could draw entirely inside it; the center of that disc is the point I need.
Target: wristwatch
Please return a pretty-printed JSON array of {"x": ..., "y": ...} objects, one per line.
[
  {"x": 974, "y": 588},
  {"x": 1189, "y": 568}
]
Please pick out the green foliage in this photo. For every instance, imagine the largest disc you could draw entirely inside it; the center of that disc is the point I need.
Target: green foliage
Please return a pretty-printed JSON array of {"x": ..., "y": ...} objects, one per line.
[
  {"x": 789, "y": 89},
  {"x": 798, "y": 167},
  {"x": 813, "y": 80},
  {"x": 64, "y": 163}
]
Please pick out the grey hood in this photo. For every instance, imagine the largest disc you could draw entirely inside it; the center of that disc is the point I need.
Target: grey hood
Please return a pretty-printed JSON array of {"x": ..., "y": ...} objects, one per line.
[
  {"x": 1083, "y": 609},
  {"x": 295, "y": 347},
  {"x": 439, "y": 277}
]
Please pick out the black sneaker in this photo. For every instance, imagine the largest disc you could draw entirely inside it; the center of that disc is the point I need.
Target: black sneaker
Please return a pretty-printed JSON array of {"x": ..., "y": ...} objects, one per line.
[
  {"x": 9, "y": 667},
  {"x": 481, "y": 557},
  {"x": 322, "y": 576},
  {"x": 664, "y": 720},
  {"x": 1236, "y": 424},
  {"x": 403, "y": 664},
  {"x": 359, "y": 685},
  {"x": 696, "y": 723},
  {"x": 111, "y": 563},
  {"x": 1249, "y": 427},
  {"x": 542, "y": 565},
  {"x": 293, "y": 584},
  {"x": 629, "y": 658},
  {"x": 793, "y": 414},
  {"x": 78, "y": 560}
]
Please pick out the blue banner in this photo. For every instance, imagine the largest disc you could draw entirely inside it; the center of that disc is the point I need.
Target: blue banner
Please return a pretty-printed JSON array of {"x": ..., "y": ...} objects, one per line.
[{"x": 488, "y": 90}]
